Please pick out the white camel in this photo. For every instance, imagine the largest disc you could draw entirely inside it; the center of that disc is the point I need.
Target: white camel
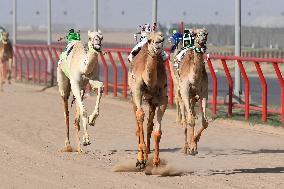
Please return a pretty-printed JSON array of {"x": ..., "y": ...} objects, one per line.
[{"x": 79, "y": 69}]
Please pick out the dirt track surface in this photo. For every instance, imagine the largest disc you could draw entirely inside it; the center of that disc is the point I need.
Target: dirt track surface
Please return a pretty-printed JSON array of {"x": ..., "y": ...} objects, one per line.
[{"x": 231, "y": 154}]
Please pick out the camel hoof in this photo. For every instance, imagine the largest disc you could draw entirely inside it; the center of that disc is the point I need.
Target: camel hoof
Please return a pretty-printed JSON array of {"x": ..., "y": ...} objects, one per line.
[
  {"x": 141, "y": 164},
  {"x": 80, "y": 150},
  {"x": 156, "y": 162},
  {"x": 86, "y": 140},
  {"x": 185, "y": 150},
  {"x": 193, "y": 150},
  {"x": 205, "y": 123},
  {"x": 93, "y": 120},
  {"x": 86, "y": 143},
  {"x": 67, "y": 148}
]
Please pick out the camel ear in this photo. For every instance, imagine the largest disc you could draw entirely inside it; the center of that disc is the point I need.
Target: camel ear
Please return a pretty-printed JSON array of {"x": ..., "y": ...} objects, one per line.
[
  {"x": 205, "y": 31},
  {"x": 100, "y": 34},
  {"x": 89, "y": 32},
  {"x": 160, "y": 36},
  {"x": 194, "y": 32},
  {"x": 191, "y": 32},
  {"x": 150, "y": 37}
]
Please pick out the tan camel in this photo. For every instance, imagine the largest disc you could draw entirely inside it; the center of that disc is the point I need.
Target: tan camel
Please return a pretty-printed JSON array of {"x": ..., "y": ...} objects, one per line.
[
  {"x": 6, "y": 54},
  {"x": 147, "y": 79},
  {"x": 191, "y": 83},
  {"x": 79, "y": 70},
  {"x": 180, "y": 119}
]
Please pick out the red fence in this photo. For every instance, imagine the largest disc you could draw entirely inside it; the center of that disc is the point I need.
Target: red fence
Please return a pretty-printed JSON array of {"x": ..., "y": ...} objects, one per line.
[
  {"x": 247, "y": 107},
  {"x": 34, "y": 59}
]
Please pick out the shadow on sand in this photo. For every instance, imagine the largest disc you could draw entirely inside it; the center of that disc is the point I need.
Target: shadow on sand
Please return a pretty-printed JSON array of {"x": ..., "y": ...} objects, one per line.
[{"x": 253, "y": 170}]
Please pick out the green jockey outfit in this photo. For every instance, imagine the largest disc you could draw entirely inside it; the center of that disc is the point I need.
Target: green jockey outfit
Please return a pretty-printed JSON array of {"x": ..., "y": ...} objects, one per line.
[
  {"x": 72, "y": 37},
  {"x": 188, "y": 43}
]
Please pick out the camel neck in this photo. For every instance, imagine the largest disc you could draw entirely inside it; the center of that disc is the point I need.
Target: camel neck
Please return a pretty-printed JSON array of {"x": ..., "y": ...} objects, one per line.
[
  {"x": 92, "y": 60},
  {"x": 150, "y": 72},
  {"x": 198, "y": 62}
]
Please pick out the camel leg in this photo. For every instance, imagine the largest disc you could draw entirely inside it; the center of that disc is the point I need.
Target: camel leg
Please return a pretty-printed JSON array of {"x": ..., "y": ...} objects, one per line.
[
  {"x": 150, "y": 124},
  {"x": 64, "y": 89},
  {"x": 4, "y": 71},
  {"x": 183, "y": 113},
  {"x": 66, "y": 116},
  {"x": 158, "y": 129},
  {"x": 99, "y": 85},
  {"x": 178, "y": 118},
  {"x": 142, "y": 154},
  {"x": 193, "y": 142},
  {"x": 137, "y": 125},
  {"x": 187, "y": 103},
  {"x": 77, "y": 126},
  {"x": 180, "y": 109},
  {"x": 9, "y": 70},
  {"x": 1, "y": 75},
  {"x": 83, "y": 113},
  {"x": 204, "y": 119}
]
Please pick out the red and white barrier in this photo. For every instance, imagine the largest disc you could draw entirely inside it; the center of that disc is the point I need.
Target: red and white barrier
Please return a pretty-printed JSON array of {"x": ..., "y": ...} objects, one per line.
[{"x": 36, "y": 57}]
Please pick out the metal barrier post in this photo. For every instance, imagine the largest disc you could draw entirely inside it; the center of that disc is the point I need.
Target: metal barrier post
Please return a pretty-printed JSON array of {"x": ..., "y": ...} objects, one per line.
[
  {"x": 52, "y": 66},
  {"x": 264, "y": 91},
  {"x": 114, "y": 73},
  {"x": 38, "y": 65},
  {"x": 242, "y": 69},
  {"x": 44, "y": 66},
  {"x": 15, "y": 63},
  {"x": 33, "y": 64},
  {"x": 21, "y": 63},
  {"x": 105, "y": 74},
  {"x": 124, "y": 74},
  {"x": 214, "y": 84},
  {"x": 27, "y": 63},
  {"x": 281, "y": 81},
  {"x": 230, "y": 84}
]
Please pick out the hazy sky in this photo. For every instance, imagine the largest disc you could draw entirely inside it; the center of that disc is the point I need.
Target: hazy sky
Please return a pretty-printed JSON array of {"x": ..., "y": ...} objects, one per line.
[{"x": 131, "y": 13}]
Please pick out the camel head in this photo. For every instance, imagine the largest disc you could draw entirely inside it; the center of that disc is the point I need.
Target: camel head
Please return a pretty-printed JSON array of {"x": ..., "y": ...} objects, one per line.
[
  {"x": 5, "y": 37},
  {"x": 201, "y": 37},
  {"x": 155, "y": 42},
  {"x": 95, "y": 39}
]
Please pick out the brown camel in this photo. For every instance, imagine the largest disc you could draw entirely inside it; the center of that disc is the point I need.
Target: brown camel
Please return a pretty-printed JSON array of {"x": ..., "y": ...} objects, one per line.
[
  {"x": 74, "y": 74},
  {"x": 148, "y": 80},
  {"x": 6, "y": 54},
  {"x": 191, "y": 85}
]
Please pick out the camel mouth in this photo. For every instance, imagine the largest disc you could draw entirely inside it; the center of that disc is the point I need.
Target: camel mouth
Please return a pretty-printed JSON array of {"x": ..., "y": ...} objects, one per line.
[
  {"x": 97, "y": 42},
  {"x": 95, "y": 38},
  {"x": 202, "y": 43},
  {"x": 158, "y": 47}
]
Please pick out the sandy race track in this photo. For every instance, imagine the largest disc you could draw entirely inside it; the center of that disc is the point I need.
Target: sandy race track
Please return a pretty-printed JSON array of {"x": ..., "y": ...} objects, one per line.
[{"x": 231, "y": 154}]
